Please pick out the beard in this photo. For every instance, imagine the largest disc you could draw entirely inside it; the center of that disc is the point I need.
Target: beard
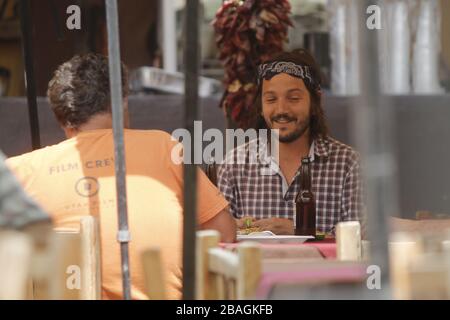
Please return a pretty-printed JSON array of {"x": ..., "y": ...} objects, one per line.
[{"x": 300, "y": 128}]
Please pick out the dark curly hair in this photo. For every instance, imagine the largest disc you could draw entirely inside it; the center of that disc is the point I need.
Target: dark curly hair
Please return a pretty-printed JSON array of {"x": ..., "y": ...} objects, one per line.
[
  {"x": 318, "y": 124},
  {"x": 79, "y": 89}
]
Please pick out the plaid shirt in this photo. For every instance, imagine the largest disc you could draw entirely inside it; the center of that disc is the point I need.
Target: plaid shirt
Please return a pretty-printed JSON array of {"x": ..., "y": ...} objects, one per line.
[{"x": 260, "y": 189}]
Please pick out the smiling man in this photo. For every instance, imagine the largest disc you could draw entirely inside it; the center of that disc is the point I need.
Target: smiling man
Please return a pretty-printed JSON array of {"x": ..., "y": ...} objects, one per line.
[{"x": 262, "y": 194}]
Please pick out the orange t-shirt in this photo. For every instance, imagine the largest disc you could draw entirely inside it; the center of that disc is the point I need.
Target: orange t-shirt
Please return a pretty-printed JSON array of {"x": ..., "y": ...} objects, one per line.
[{"x": 76, "y": 178}]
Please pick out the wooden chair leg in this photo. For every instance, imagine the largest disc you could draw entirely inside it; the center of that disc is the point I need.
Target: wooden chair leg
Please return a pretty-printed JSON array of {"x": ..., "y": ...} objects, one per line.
[
  {"x": 154, "y": 275},
  {"x": 429, "y": 278},
  {"x": 91, "y": 261},
  {"x": 403, "y": 249},
  {"x": 219, "y": 283},
  {"x": 205, "y": 287},
  {"x": 249, "y": 272},
  {"x": 58, "y": 273},
  {"x": 30, "y": 289},
  {"x": 231, "y": 288},
  {"x": 15, "y": 257}
]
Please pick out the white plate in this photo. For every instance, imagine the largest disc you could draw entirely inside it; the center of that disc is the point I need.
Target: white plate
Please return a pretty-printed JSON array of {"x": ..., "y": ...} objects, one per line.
[{"x": 267, "y": 238}]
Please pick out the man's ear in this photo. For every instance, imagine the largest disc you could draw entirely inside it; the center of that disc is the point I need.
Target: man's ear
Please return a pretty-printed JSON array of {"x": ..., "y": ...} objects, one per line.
[{"x": 69, "y": 132}]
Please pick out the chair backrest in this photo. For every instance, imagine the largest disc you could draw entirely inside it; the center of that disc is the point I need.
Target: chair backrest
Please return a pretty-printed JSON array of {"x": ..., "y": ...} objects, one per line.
[
  {"x": 404, "y": 248},
  {"x": 91, "y": 258},
  {"x": 429, "y": 277},
  {"x": 222, "y": 274},
  {"x": 15, "y": 257},
  {"x": 348, "y": 241},
  {"x": 69, "y": 269},
  {"x": 154, "y": 274},
  {"x": 420, "y": 265}
]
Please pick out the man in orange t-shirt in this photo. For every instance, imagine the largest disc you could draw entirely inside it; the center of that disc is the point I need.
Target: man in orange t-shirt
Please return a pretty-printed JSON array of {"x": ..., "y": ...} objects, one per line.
[{"x": 76, "y": 178}]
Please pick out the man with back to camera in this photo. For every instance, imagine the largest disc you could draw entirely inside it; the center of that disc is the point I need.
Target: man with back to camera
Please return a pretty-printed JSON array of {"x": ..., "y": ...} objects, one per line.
[{"x": 76, "y": 178}]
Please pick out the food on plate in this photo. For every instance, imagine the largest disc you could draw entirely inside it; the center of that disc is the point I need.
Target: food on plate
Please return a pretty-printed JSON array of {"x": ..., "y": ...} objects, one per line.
[
  {"x": 248, "y": 228},
  {"x": 320, "y": 235},
  {"x": 245, "y": 231}
]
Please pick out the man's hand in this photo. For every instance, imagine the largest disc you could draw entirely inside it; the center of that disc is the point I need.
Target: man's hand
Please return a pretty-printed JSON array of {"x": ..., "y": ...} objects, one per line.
[
  {"x": 278, "y": 226},
  {"x": 245, "y": 222}
]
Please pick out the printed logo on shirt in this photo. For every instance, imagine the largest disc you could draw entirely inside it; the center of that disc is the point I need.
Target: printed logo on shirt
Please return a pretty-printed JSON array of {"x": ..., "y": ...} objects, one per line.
[
  {"x": 87, "y": 186},
  {"x": 61, "y": 168}
]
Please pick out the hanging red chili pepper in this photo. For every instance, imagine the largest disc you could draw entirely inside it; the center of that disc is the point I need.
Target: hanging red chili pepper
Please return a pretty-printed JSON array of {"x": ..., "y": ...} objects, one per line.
[{"x": 248, "y": 32}]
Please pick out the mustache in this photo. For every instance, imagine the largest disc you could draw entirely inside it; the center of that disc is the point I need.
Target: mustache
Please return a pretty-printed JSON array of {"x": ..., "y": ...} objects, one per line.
[{"x": 282, "y": 116}]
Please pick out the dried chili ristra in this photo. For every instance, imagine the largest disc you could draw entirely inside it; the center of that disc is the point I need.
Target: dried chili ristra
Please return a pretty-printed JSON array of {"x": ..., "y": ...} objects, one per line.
[{"x": 247, "y": 33}]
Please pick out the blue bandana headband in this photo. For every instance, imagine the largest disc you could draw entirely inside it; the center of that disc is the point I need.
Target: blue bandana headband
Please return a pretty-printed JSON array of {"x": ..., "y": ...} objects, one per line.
[{"x": 268, "y": 70}]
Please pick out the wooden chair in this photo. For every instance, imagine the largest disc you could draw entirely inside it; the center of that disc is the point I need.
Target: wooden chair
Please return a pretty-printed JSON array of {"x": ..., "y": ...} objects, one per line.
[
  {"x": 420, "y": 265},
  {"x": 69, "y": 268},
  {"x": 222, "y": 274},
  {"x": 154, "y": 274},
  {"x": 429, "y": 278},
  {"x": 15, "y": 257},
  {"x": 348, "y": 241},
  {"x": 404, "y": 247}
]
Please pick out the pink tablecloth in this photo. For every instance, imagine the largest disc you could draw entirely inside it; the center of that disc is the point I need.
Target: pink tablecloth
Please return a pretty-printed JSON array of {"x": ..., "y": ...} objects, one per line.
[
  {"x": 316, "y": 273},
  {"x": 327, "y": 248},
  {"x": 332, "y": 274}
]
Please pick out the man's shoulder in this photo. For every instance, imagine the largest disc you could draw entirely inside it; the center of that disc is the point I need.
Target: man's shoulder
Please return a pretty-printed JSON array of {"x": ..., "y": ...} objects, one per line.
[
  {"x": 339, "y": 151},
  {"x": 150, "y": 138},
  {"x": 30, "y": 161},
  {"x": 153, "y": 134},
  {"x": 33, "y": 155},
  {"x": 243, "y": 153}
]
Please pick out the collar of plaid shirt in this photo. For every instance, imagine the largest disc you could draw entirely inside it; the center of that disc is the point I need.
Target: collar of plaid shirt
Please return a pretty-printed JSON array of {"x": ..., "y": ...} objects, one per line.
[
  {"x": 318, "y": 148},
  {"x": 256, "y": 189}
]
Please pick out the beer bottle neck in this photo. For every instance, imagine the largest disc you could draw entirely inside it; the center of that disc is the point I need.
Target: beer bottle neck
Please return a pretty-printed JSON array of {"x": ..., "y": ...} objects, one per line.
[
  {"x": 305, "y": 176},
  {"x": 305, "y": 180}
]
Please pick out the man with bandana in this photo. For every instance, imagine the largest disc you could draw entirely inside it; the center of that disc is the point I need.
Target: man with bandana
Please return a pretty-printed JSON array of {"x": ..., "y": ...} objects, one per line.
[{"x": 262, "y": 193}]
